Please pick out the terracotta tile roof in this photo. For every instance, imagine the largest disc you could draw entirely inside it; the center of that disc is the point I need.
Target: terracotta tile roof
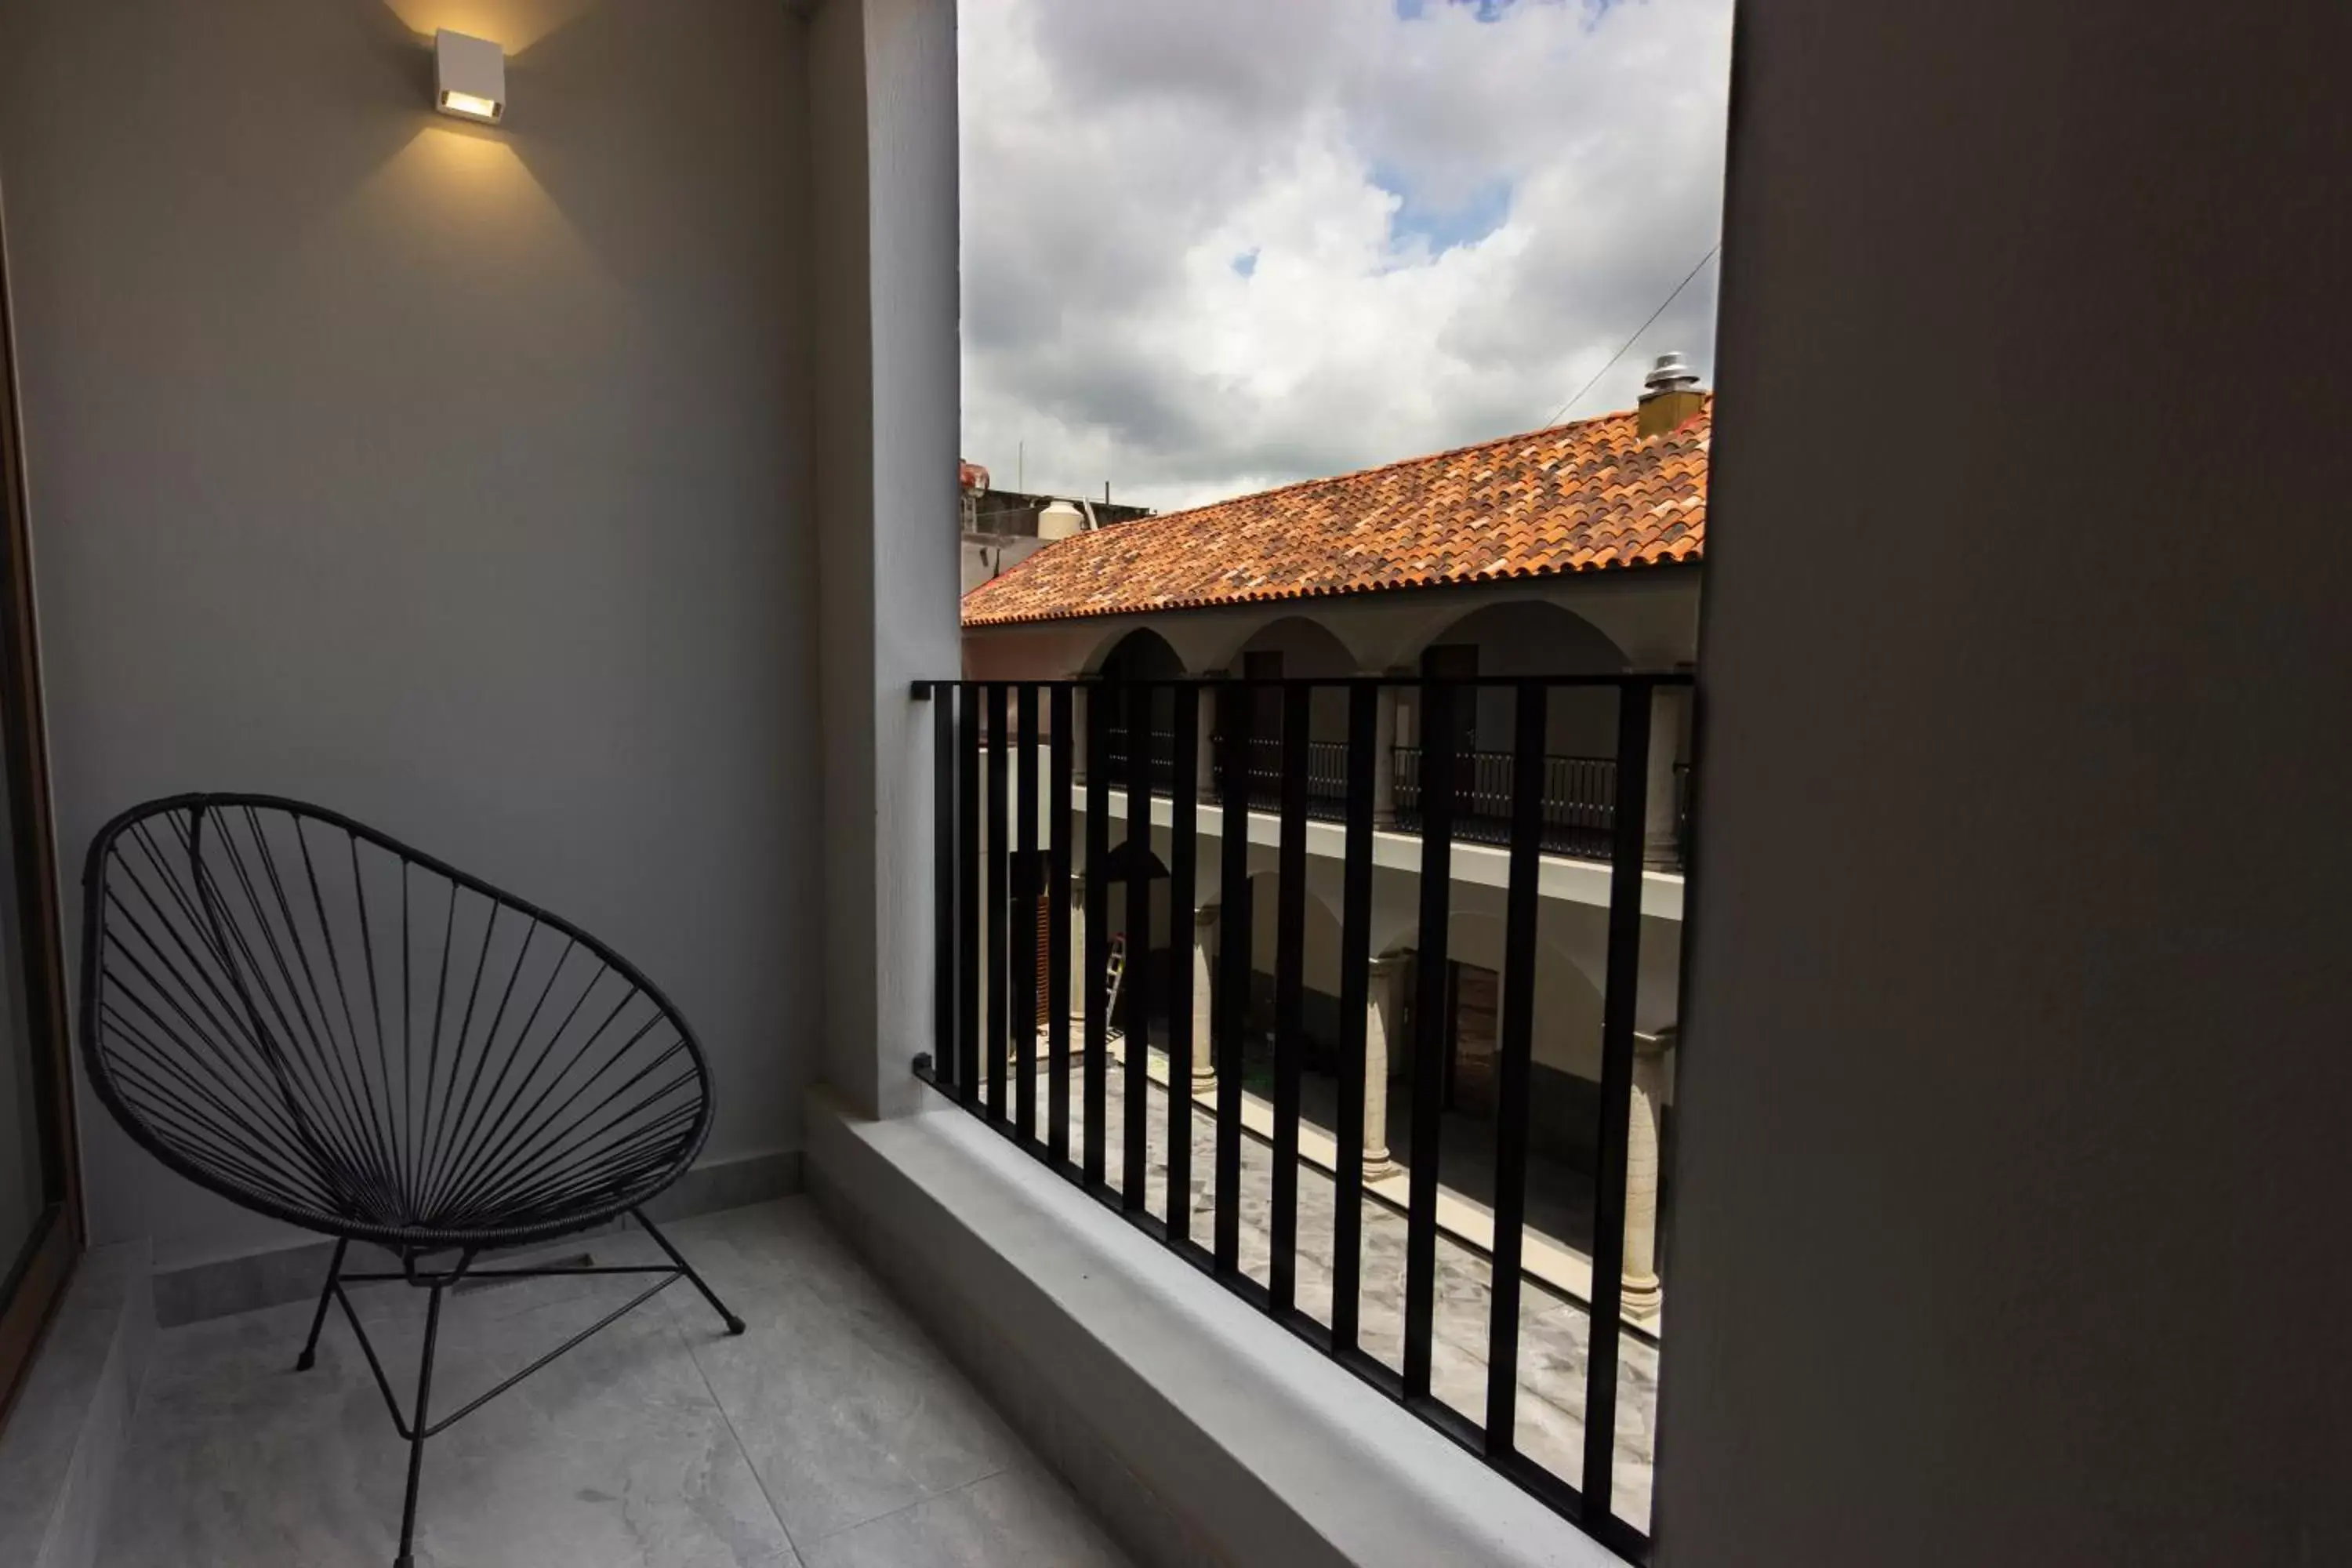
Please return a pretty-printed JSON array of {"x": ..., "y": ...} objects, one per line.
[{"x": 1584, "y": 497}]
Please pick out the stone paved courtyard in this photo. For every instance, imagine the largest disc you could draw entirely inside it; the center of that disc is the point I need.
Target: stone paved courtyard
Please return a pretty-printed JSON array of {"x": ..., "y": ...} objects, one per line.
[{"x": 1552, "y": 1328}]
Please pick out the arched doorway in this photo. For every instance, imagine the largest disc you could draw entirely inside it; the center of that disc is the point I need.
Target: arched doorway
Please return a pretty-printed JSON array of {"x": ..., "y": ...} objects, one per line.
[
  {"x": 1139, "y": 955},
  {"x": 1519, "y": 638},
  {"x": 1529, "y": 637},
  {"x": 1320, "y": 974},
  {"x": 1142, "y": 655},
  {"x": 1294, "y": 648}
]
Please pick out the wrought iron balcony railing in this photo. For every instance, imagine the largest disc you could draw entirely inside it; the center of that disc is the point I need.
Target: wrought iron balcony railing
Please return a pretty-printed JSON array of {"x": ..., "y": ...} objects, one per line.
[
  {"x": 1580, "y": 794},
  {"x": 1579, "y": 809},
  {"x": 1015, "y": 820}
]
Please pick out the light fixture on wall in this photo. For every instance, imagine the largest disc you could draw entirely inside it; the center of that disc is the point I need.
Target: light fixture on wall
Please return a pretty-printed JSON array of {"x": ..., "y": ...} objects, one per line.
[{"x": 469, "y": 77}]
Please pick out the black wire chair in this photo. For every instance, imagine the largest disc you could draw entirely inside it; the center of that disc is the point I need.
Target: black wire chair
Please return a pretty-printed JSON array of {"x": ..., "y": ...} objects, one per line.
[{"x": 325, "y": 1025}]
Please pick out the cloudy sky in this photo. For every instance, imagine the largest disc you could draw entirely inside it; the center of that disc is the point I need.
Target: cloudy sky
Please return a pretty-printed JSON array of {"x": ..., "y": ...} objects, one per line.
[{"x": 1212, "y": 246}]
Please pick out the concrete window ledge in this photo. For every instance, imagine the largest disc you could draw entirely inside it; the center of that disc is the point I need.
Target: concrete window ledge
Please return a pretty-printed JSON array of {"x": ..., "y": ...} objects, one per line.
[{"x": 1198, "y": 1430}]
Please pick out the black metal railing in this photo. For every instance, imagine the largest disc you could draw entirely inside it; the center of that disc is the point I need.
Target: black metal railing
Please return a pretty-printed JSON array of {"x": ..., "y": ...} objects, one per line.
[
  {"x": 1580, "y": 799},
  {"x": 1009, "y": 796},
  {"x": 1580, "y": 794},
  {"x": 1327, "y": 776},
  {"x": 1116, "y": 748}
]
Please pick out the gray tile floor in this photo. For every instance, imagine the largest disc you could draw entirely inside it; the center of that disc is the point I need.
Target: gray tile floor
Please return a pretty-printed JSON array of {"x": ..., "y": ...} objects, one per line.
[{"x": 832, "y": 1434}]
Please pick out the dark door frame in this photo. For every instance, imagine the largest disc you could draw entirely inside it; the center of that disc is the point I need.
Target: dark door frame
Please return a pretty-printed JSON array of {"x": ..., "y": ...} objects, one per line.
[{"x": 34, "y": 1278}]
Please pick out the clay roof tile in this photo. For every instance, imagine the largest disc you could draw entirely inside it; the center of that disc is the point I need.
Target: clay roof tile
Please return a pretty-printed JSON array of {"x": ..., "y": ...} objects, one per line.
[{"x": 1589, "y": 496}]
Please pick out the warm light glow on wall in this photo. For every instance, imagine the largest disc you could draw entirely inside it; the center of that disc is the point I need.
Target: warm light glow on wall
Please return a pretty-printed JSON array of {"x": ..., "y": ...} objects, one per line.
[
  {"x": 518, "y": 24},
  {"x": 469, "y": 77}
]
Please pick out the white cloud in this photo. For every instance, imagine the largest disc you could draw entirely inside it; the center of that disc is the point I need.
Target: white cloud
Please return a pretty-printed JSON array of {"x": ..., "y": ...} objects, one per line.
[{"x": 1120, "y": 156}]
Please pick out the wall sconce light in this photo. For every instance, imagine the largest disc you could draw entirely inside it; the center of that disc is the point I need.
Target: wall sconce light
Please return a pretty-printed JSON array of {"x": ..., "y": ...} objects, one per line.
[{"x": 469, "y": 77}]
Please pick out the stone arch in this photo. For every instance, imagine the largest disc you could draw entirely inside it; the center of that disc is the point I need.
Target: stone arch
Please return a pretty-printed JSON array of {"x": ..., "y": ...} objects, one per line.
[
  {"x": 1321, "y": 962},
  {"x": 1170, "y": 935},
  {"x": 1322, "y": 946},
  {"x": 1301, "y": 648},
  {"x": 1390, "y": 630},
  {"x": 1566, "y": 1032},
  {"x": 1138, "y": 652},
  {"x": 1531, "y": 636},
  {"x": 1535, "y": 637},
  {"x": 1307, "y": 647}
]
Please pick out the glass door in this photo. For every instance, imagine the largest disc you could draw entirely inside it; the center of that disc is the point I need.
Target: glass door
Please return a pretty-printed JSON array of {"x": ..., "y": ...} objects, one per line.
[{"x": 40, "y": 1202}]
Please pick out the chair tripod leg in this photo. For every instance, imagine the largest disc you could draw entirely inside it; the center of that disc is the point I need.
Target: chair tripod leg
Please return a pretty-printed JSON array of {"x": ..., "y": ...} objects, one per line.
[
  {"x": 734, "y": 1323},
  {"x": 310, "y": 1356},
  {"x": 416, "y": 1424}
]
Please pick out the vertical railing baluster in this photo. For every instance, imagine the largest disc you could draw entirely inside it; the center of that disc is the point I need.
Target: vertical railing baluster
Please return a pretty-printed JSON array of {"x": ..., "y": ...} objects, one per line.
[
  {"x": 1438, "y": 772},
  {"x": 1024, "y": 927},
  {"x": 1095, "y": 984},
  {"x": 968, "y": 857},
  {"x": 943, "y": 884},
  {"x": 1236, "y": 708},
  {"x": 1135, "y": 985},
  {"x": 1289, "y": 995},
  {"x": 994, "y": 986},
  {"x": 1514, "y": 1073},
  {"x": 1057, "y": 932},
  {"x": 1617, "y": 1012},
  {"x": 1355, "y": 999},
  {"x": 1183, "y": 855}
]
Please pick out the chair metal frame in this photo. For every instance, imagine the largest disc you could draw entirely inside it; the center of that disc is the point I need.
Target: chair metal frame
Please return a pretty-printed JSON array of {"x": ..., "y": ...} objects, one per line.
[{"x": 223, "y": 1060}]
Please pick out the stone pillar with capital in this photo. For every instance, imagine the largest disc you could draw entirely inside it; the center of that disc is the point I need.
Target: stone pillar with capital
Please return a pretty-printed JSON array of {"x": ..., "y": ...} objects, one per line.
[
  {"x": 1204, "y": 999},
  {"x": 1383, "y": 1022},
  {"x": 1643, "y": 1293},
  {"x": 1662, "y": 849}
]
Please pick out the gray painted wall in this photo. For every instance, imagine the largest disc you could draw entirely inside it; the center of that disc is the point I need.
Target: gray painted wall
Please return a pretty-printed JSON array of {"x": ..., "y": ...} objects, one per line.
[
  {"x": 2015, "y": 1083},
  {"x": 451, "y": 476}
]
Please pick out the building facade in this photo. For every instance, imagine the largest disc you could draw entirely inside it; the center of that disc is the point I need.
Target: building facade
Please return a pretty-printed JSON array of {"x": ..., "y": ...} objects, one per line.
[
  {"x": 1572, "y": 551},
  {"x": 997, "y": 530}
]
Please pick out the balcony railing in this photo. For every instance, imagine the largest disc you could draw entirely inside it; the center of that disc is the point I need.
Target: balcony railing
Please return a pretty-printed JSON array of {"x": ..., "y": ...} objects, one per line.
[
  {"x": 1580, "y": 794},
  {"x": 1116, "y": 752},
  {"x": 1327, "y": 776},
  {"x": 1579, "y": 808},
  {"x": 1015, "y": 820}
]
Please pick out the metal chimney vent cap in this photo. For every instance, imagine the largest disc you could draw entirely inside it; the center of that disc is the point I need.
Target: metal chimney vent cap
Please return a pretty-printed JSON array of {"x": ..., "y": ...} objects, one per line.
[{"x": 1669, "y": 375}]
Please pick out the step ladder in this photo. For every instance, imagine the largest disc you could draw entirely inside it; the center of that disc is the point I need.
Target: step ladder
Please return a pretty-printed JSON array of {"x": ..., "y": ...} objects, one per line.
[{"x": 1114, "y": 971}]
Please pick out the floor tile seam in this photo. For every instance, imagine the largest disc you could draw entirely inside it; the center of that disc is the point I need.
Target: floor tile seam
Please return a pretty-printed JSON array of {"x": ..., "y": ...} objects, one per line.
[
  {"x": 928, "y": 1498},
  {"x": 735, "y": 1434}
]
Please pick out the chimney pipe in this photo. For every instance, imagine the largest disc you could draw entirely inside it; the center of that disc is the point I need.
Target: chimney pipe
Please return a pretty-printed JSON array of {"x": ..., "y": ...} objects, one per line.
[{"x": 1670, "y": 395}]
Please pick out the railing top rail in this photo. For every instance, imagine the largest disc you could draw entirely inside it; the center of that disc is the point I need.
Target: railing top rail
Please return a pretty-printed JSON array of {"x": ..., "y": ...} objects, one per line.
[{"x": 1631, "y": 680}]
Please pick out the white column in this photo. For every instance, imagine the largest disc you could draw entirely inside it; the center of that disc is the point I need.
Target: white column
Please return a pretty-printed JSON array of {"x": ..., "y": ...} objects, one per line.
[
  {"x": 1205, "y": 940},
  {"x": 1383, "y": 1021},
  {"x": 1643, "y": 1293},
  {"x": 1659, "y": 849},
  {"x": 1384, "y": 744},
  {"x": 882, "y": 189}
]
